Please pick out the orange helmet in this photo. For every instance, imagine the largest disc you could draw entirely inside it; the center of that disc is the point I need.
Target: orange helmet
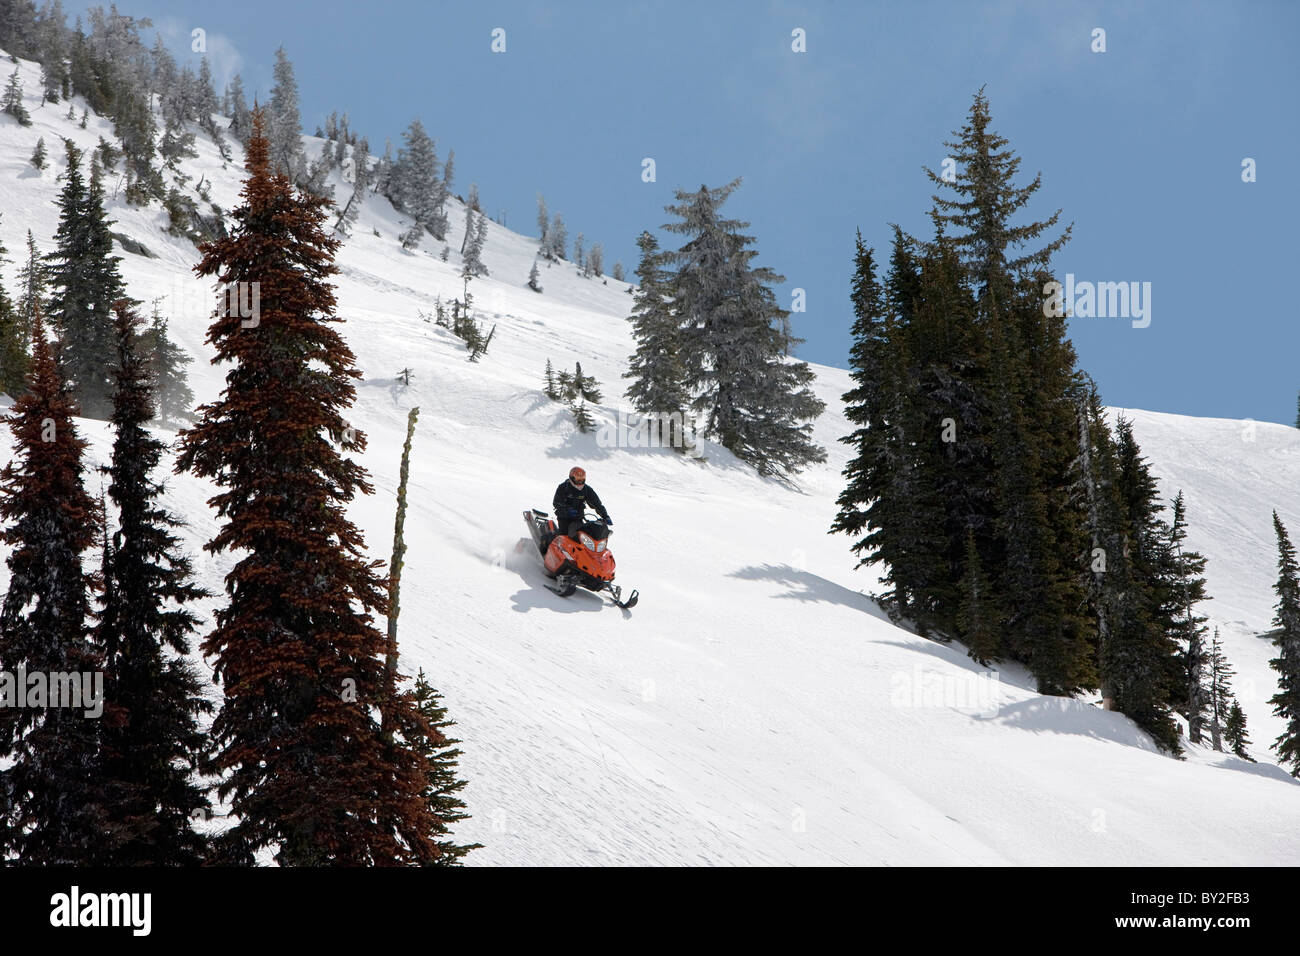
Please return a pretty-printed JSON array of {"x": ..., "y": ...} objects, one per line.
[{"x": 576, "y": 474}]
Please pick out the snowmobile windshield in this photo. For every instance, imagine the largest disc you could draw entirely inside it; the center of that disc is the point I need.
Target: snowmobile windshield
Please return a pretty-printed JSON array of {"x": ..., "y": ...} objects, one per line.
[{"x": 597, "y": 530}]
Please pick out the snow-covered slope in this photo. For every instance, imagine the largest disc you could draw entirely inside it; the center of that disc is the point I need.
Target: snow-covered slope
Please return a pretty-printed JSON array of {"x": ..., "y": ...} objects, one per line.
[{"x": 755, "y": 707}]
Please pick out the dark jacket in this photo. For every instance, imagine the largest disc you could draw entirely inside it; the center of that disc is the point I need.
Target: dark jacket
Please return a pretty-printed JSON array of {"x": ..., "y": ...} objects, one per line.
[{"x": 570, "y": 500}]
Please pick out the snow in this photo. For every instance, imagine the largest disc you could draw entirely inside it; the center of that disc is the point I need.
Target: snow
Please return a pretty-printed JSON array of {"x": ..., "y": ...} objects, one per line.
[{"x": 756, "y": 707}]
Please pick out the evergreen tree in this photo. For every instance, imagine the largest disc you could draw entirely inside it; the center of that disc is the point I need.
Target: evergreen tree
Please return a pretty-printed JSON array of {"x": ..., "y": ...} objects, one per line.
[
  {"x": 578, "y": 259},
  {"x": 166, "y": 361},
  {"x": 414, "y": 185},
  {"x": 53, "y": 799},
  {"x": 1135, "y": 660},
  {"x": 585, "y": 386},
  {"x": 581, "y": 417},
  {"x": 13, "y": 342},
  {"x": 1286, "y": 637},
  {"x": 241, "y": 119},
  {"x": 551, "y": 388},
  {"x": 152, "y": 743},
  {"x": 1235, "y": 732},
  {"x": 986, "y": 198},
  {"x": 891, "y": 491},
  {"x": 447, "y": 171},
  {"x": 617, "y": 272},
  {"x": 755, "y": 402},
  {"x": 557, "y": 238},
  {"x": 596, "y": 260},
  {"x": 11, "y": 101},
  {"x": 441, "y": 755},
  {"x": 476, "y": 235},
  {"x": 656, "y": 368},
  {"x": 1183, "y": 587},
  {"x": 84, "y": 277},
  {"x": 1219, "y": 675},
  {"x": 39, "y": 155},
  {"x": 305, "y": 765},
  {"x": 32, "y": 280},
  {"x": 543, "y": 228},
  {"x": 285, "y": 133},
  {"x": 534, "y": 279}
]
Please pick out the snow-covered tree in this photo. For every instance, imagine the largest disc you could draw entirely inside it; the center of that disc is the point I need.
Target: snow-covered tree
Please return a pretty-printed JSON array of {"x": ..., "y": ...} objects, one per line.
[
  {"x": 752, "y": 399},
  {"x": 534, "y": 279},
  {"x": 241, "y": 119},
  {"x": 38, "y": 155},
  {"x": 285, "y": 133},
  {"x": 12, "y": 100},
  {"x": 596, "y": 260},
  {"x": 414, "y": 184}
]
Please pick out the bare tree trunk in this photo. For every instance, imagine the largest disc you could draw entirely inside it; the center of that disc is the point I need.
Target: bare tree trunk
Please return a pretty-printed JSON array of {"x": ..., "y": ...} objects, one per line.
[{"x": 395, "y": 567}]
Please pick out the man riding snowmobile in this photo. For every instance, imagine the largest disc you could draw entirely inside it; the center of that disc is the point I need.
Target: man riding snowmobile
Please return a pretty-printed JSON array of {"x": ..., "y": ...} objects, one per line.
[
  {"x": 571, "y": 500},
  {"x": 575, "y": 551}
]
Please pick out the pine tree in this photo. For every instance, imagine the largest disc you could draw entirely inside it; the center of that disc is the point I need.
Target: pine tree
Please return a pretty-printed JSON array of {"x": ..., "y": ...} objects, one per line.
[
  {"x": 166, "y": 361},
  {"x": 656, "y": 368},
  {"x": 476, "y": 236},
  {"x": 12, "y": 100},
  {"x": 1235, "y": 732},
  {"x": 596, "y": 260},
  {"x": 39, "y": 159},
  {"x": 543, "y": 228},
  {"x": 578, "y": 259},
  {"x": 85, "y": 281},
  {"x": 581, "y": 417},
  {"x": 53, "y": 801},
  {"x": 557, "y": 239},
  {"x": 1219, "y": 675},
  {"x": 1183, "y": 588},
  {"x": 1286, "y": 637},
  {"x": 985, "y": 201},
  {"x": 586, "y": 386},
  {"x": 13, "y": 342},
  {"x": 534, "y": 279},
  {"x": 414, "y": 185},
  {"x": 285, "y": 133},
  {"x": 443, "y": 783},
  {"x": 755, "y": 402},
  {"x": 32, "y": 280},
  {"x": 305, "y": 764},
  {"x": 241, "y": 120},
  {"x": 617, "y": 272},
  {"x": 551, "y": 388},
  {"x": 152, "y": 743},
  {"x": 1135, "y": 661}
]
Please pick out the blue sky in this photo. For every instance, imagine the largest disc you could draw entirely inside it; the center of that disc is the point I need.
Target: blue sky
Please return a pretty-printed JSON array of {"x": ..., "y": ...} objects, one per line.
[{"x": 1140, "y": 146}]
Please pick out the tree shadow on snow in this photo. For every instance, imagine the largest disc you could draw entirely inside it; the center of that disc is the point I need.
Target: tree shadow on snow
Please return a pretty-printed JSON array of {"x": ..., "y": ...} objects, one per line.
[
  {"x": 1272, "y": 771},
  {"x": 806, "y": 586},
  {"x": 1064, "y": 715}
]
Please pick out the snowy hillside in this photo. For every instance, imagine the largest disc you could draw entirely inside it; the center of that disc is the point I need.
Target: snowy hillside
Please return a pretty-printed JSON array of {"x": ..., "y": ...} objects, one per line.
[{"x": 756, "y": 707}]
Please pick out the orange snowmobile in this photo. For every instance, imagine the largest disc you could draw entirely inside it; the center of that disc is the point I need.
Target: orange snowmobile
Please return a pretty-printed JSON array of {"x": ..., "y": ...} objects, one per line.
[{"x": 586, "y": 562}]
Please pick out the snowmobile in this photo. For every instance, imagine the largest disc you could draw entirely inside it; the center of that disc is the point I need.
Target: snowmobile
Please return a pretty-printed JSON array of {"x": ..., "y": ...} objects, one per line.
[{"x": 585, "y": 562}]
